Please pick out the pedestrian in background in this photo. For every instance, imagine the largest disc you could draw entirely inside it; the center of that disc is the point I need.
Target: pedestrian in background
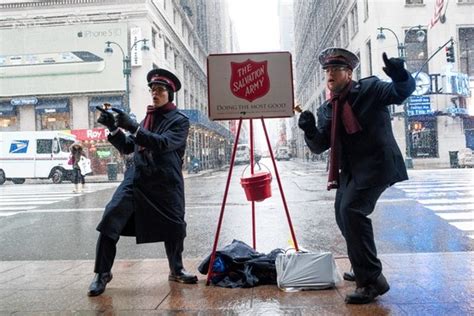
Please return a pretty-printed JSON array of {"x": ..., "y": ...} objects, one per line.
[
  {"x": 77, "y": 152},
  {"x": 364, "y": 160},
  {"x": 149, "y": 203}
]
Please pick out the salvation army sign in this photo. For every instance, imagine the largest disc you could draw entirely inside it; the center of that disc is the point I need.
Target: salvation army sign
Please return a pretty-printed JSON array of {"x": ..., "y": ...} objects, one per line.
[
  {"x": 249, "y": 80},
  {"x": 257, "y": 85}
]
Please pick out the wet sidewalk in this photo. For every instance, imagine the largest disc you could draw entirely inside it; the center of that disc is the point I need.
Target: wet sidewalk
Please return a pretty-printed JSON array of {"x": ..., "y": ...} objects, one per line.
[{"x": 421, "y": 284}]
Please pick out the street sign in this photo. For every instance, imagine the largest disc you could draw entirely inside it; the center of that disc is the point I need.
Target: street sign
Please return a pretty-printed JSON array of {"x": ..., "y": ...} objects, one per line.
[
  {"x": 419, "y": 105},
  {"x": 254, "y": 85}
]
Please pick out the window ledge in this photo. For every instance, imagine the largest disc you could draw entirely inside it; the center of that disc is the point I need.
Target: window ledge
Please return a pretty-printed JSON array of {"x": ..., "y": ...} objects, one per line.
[{"x": 413, "y": 5}]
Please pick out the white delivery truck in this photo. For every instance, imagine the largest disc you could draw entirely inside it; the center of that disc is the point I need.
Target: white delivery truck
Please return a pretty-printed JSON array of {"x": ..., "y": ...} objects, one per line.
[
  {"x": 242, "y": 154},
  {"x": 35, "y": 154}
]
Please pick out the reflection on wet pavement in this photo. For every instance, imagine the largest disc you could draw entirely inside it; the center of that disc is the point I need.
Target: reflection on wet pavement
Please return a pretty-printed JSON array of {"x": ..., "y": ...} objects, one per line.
[{"x": 424, "y": 283}]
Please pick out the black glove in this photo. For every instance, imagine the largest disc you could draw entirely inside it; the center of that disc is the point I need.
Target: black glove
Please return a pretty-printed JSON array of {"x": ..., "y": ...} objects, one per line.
[
  {"x": 324, "y": 116},
  {"x": 394, "y": 68},
  {"x": 125, "y": 121},
  {"x": 107, "y": 119},
  {"x": 307, "y": 123}
]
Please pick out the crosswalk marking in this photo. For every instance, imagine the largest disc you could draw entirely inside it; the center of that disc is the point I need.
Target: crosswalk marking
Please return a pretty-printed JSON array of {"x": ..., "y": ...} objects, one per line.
[
  {"x": 29, "y": 202},
  {"x": 39, "y": 195},
  {"x": 42, "y": 198},
  {"x": 446, "y": 201},
  {"x": 450, "y": 195},
  {"x": 35, "y": 198},
  {"x": 18, "y": 208},
  {"x": 451, "y": 189},
  {"x": 457, "y": 216},
  {"x": 66, "y": 210},
  {"x": 453, "y": 207},
  {"x": 469, "y": 225}
]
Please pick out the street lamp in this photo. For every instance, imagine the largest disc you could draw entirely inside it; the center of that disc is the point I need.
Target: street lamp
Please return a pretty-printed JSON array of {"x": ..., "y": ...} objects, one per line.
[
  {"x": 127, "y": 69},
  {"x": 401, "y": 47}
]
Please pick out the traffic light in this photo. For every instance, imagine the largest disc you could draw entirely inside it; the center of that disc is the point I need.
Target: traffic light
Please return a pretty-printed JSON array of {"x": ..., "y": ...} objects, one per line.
[{"x": 450, "y": 53}]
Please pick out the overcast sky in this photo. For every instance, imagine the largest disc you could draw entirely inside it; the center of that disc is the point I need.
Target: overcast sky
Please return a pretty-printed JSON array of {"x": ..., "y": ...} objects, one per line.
[{"x": 256, "y": 24}]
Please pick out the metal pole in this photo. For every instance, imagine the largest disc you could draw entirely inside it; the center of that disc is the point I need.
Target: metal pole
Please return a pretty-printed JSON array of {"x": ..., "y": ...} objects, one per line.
[
  {"x": 408, "y": 156},
  {"x": 127, "y": 71},
  {"x": 126, "y": 67},
  {"x": 466, "y": 47},
  {"x": 401, "y": 54},
  {"x": 224, "y": 200},
  {"x": 127, "y": 93}
]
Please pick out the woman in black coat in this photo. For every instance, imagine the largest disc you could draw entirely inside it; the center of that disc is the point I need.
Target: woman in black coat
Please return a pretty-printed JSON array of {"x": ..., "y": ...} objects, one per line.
[
  {"x": 149, "y": 203},
  {"x": 365, "y": 159}
]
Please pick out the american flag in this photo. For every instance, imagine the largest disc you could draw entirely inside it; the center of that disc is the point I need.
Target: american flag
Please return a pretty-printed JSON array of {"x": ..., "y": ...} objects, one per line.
[{"x": 437, "y": 12}]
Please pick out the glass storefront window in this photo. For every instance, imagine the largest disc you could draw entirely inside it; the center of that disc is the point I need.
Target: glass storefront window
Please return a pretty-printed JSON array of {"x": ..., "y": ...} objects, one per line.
[
  {"x": 8, "y": 123},
  {"x": 53, "y": 121}
]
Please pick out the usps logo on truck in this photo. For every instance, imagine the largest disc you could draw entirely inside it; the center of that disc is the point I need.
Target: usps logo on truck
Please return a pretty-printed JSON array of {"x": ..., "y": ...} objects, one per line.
[{"x": 18, "y": 147}]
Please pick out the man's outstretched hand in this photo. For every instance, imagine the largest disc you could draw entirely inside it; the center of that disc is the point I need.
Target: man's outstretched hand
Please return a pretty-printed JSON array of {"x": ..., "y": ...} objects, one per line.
[
  {"x": 125, "y": 121},
  {"x": 107, "y": 119},
  {"x": 307, "y": 123},
  {"x": 394, "y": 68}
]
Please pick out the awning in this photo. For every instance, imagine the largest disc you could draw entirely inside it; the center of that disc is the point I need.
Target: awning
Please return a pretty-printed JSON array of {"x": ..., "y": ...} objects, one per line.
[
  {"x": 116, "y": 101},
  {"x": 52, "y": 106},
  {"x": 196, "y": 117},
  {"x": 6, "y": 109}
]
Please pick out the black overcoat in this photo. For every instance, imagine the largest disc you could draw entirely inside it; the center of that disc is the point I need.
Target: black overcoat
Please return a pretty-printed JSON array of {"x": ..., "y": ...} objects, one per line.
[
  {"x": 149, "y": 203},
  {"x": 371, "y": 155}
]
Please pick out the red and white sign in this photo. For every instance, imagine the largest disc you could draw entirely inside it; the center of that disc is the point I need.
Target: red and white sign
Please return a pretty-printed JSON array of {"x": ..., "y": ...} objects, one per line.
[
  {"x": 90, "y": 134},
  {"x": 254, "y": 85}
]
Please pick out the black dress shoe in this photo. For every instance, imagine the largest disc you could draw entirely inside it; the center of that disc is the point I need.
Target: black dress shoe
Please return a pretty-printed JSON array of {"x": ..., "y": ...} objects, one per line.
[
  {"x": 183, "y": 277},
  {"x": 367, "y": 294},
  {"x": 349, "y": 276},
  {"x": 99, "y": 283}
]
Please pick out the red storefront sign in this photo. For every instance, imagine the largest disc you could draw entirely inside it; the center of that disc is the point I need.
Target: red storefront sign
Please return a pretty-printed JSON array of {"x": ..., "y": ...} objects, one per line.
[{"x": 90, "y": 134}]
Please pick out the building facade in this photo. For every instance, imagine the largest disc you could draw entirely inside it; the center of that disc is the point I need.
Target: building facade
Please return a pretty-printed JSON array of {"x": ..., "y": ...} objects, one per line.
[
  {"x": 435, "y": 122},
  {"x": 62, "y": 58}
]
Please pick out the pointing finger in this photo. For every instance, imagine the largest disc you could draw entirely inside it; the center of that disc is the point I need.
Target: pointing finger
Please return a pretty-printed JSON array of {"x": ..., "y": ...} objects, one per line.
[{"x": 385, "y": 58}]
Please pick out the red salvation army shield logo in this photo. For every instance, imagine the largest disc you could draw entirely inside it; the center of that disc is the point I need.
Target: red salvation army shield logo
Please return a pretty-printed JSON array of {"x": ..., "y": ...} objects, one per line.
[{"x": 249, "y": 79}]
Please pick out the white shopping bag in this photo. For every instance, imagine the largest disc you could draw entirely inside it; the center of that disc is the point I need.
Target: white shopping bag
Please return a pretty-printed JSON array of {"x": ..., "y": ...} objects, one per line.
[
  {"x": 306, "y": 271},
  {"x": 85, "y": 165}
]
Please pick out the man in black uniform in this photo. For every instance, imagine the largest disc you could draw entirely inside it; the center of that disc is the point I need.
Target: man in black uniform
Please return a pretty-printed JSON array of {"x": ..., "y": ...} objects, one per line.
[
  {"x": 365, "y": 158},
  {"x": 149, "y": 203}
]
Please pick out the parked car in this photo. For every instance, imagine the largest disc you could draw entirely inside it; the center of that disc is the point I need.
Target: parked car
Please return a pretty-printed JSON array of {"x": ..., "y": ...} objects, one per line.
[
  {"x": 283, "y": 153},
  {"x": 465, "y": 158}
]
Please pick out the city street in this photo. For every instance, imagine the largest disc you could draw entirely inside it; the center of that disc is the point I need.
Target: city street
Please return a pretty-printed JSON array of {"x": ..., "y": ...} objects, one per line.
[{"x": 432, "y": 212}]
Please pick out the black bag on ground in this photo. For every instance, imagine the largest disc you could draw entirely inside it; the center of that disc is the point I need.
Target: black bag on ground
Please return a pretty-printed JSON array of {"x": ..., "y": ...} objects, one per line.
[{"x": 239, "y": 265}]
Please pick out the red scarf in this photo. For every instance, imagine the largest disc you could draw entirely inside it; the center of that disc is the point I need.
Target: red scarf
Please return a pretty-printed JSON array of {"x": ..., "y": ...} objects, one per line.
[
  {"x": 150, "y": 115},
  {"x": 151, "y": 110},
  {"x": 341, "y": 111}
]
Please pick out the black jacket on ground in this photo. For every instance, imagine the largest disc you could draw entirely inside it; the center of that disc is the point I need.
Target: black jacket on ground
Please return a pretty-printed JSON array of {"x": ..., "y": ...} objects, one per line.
[
  {"x": 371, "y": 155},
  {"x": 149, "y": 203}
]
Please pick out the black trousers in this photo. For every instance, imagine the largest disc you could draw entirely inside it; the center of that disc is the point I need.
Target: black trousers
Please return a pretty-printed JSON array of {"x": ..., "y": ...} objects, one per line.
[
  {"x": 107, "y": 249},
  {"x": 352, "y": 209},
  {"x": 77, "y": 176}
]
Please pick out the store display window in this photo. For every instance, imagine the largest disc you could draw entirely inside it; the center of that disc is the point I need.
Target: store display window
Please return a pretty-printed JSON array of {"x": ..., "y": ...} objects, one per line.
[
  {"x": 8, "y": 117},
  {"x": 53, "y": 114}
]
